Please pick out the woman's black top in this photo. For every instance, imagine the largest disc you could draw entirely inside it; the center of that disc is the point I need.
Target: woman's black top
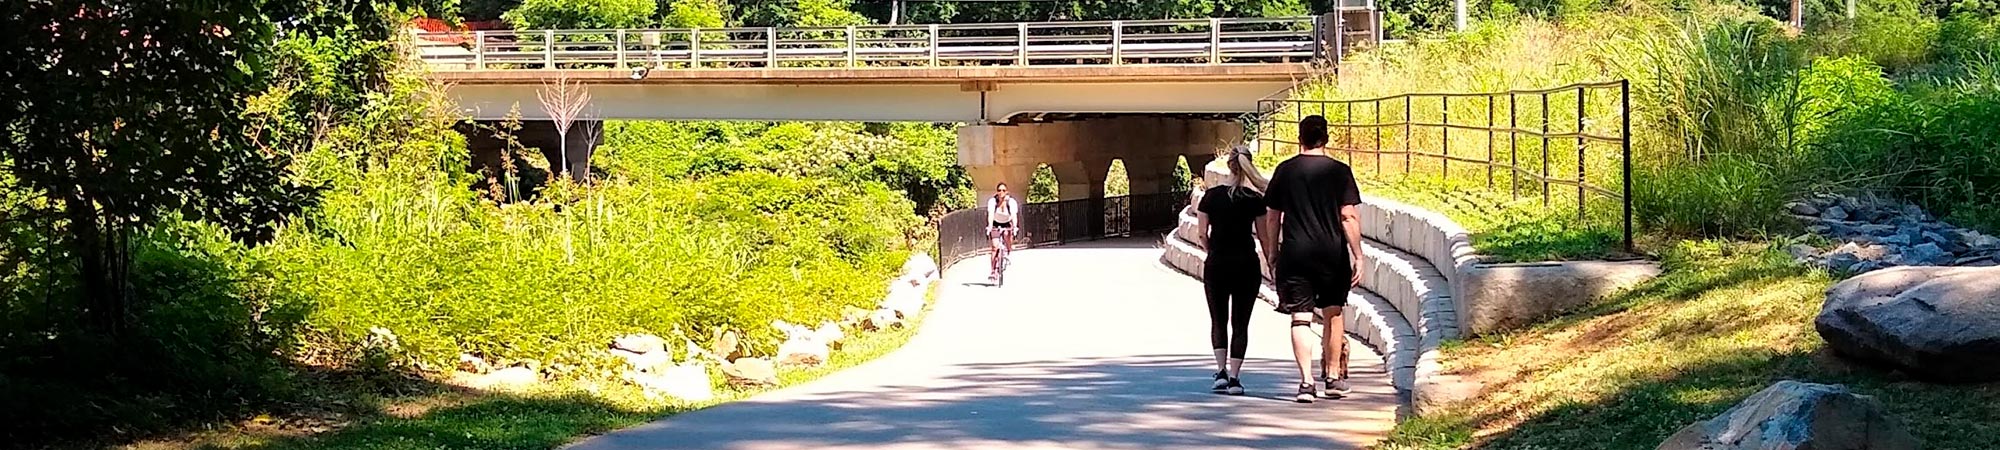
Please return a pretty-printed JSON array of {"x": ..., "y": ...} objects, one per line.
[{"x": 1231, "y": 241}]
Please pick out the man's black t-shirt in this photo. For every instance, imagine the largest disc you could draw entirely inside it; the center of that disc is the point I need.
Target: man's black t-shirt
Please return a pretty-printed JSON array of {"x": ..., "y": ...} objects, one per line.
[
  {"x": 1230, "y": 212},
  {"x": 1310, "y": 190}
]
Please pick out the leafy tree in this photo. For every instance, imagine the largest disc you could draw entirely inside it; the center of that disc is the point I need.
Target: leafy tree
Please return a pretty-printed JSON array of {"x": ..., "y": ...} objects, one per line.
[
  {"x": 582, "y": 14},
  {"x": 121, "y": 111},
  {"x": 694, "y": 13},
  {"x": 800, "y": 13}
]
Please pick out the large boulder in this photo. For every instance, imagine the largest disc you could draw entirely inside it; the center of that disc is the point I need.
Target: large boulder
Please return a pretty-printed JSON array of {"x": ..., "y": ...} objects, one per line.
[
  {"x": 1791, "y": 415},
  {"x": 1939, "y": 323},
  {"x": 643, "y": 352},
  {"x": 920, "y": 267}
]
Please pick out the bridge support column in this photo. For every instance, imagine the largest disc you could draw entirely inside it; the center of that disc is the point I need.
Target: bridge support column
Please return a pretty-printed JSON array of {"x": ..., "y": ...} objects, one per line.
[
  {"x": 1152, "y": 175},
  {"x": 1017, "y": 177}
]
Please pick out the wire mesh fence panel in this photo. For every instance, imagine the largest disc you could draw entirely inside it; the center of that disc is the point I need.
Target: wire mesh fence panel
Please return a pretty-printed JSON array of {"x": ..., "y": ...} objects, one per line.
[{"x": 962, "y": 234}]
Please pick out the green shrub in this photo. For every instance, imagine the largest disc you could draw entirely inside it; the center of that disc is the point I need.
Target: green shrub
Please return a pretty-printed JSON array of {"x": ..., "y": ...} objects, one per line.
[{"x": 581, "y": 14}]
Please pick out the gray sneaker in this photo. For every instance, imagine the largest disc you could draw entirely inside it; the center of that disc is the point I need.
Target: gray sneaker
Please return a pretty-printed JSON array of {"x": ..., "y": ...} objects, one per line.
[
  {"x": 1235, "y": 387},
  {"x": 1336, "y": 388},
  {"x": 1221, "y": 381},
  {"x": 1305, "y": 394}
]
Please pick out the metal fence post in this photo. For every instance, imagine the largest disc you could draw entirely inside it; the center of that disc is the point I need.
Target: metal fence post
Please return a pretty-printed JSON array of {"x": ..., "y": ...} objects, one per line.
[
  {"x": 934, "y": 45},
  {"x": 621, "y": 48},
  {"x": 1581, "y": 176},
  {"x": 1444, "y": 133},
  {"x": 694, "y": 48},
  {"x": 548, "y": 49},
  {"x": 1513, "y": 147},
  {"x": 1378, "y": 136},
  {"x": 770, "y": 47},
  {"x": 479, "y": 50},
  {"x": 1489, "y": 142},
  {"x": 1625, "y": 141},
  {"x": 1214, "y": 41},
  {"x": 1022, "y": 50},
  {"x": 850, "y": 46},
  {"x": 1347, "y": 132},
  {"x": 1406, "y": 134},
  {"x": 1117, "y": 42},
  {"x": 1545, "y": 150}
]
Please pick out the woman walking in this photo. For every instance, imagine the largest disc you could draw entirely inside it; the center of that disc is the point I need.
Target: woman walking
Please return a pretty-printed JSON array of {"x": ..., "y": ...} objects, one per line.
[{"x": 1229, "y": 217}]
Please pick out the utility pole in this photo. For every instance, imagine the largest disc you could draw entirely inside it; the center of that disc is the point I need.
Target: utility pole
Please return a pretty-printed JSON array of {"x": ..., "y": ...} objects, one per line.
[
  {"x": 896, "y": 11},
  {"x": 1850, "y": 9}
]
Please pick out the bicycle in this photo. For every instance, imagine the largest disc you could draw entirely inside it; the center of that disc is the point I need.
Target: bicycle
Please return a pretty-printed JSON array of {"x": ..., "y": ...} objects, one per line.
[{"x": 1003, "y": 255}]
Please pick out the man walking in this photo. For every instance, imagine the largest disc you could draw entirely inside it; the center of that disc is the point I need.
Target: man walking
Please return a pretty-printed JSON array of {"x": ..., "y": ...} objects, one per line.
[{"x": 1318, "y": 253}]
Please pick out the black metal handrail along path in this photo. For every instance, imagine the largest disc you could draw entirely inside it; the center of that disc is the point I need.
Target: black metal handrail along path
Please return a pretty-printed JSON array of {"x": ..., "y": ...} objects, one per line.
[
  {"x": 1516, "y": 134},
  {"x": 962, "y": 234}
]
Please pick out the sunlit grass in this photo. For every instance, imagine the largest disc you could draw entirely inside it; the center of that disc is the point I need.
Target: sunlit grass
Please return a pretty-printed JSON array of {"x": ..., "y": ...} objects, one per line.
[{"x": 1726, "y": 320}]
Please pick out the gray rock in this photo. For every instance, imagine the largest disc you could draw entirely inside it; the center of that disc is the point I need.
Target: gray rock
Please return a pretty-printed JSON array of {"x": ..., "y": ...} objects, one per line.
[
  {"x": 751, "y": 372},
  {"x": 1895, "y": 239},
  {"x": 1819, "y": 229},
  {"x": 1791, "y": 415},
  {"x": 1834, "y": 213},
  {"x": 1873, "y": 229},
  {"x": 1913, "y": 212},
  {"x": 1982, "y": 242},
  {"x": 1803, "y": 251},
  {"x": 1842, "y": 261},
  {"x": 1865, "y": 267},
  {"x": 639, "y": 343},
  {"x": 1804, "y": 209},
  {"x": 1925, "y": 254},
  {"x": 1970, "y": 260},
  {"x": 1939, "y": 323}
]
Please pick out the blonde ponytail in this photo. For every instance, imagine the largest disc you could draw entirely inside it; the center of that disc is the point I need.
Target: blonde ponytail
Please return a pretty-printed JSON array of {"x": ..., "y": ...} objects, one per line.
[{"x": 1243, "y": 171}]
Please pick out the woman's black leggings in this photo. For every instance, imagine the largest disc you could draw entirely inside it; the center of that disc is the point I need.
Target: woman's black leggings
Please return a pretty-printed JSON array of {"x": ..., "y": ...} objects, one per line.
[{"x": 1229, "y": 299}]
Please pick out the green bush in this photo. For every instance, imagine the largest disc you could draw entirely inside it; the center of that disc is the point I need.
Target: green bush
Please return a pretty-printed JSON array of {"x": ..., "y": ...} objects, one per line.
[
  {"x": 918, "y": 159},
  {"x": 581, "y": 14}
]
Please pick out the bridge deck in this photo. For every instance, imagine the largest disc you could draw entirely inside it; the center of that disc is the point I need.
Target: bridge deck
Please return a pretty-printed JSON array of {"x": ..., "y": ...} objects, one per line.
[
  {"x": 1089, "y": 346},
  {"x": 895, "y": 75}
]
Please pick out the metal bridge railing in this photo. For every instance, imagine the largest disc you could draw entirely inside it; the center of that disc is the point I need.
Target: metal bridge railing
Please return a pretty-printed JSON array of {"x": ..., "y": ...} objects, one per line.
[
  {"x": 1198, "y": 41},
  {"x": 1569, "y": 143},
  {"x": 962, "y": 234}
]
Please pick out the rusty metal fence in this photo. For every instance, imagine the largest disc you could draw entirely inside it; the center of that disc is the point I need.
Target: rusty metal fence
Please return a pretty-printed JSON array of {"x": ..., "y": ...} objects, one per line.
[
  {"x": 1557, "y": 143},
  {"x": 962, "y": 234}
]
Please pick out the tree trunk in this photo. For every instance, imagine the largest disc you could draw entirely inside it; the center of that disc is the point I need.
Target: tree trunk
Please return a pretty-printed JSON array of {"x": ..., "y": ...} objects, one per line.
[{"x": 102, "y": 255}]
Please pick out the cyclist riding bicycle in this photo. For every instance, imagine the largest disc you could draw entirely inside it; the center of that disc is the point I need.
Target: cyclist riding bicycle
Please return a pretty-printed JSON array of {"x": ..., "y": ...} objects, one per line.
[{"x": 1000, "y": 213}]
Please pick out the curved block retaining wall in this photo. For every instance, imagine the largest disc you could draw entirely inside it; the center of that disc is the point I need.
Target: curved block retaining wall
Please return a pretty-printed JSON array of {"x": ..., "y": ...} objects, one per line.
[{"x": 1422, "y": 284}]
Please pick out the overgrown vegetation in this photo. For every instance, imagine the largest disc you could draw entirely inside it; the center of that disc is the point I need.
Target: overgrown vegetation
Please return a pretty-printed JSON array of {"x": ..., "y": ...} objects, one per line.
[{"x": 1731, "y": 115}]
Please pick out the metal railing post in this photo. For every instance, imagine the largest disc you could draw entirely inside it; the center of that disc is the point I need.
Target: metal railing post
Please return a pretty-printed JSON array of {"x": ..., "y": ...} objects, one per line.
[
  {"x": 1214, "y": 41},
  {"x": 1406, "y": 134},
  {"x": 548, "y": 49},
  {"x": 770, "y": 47},
  {"x": 1513, "y": 147},
  {"x": 1489, "y": 142},
  {"x": 934, "y": 45},
  {"x": 1021, "y": 51},
  {"x": 694, "y": 48},
  {"x": 479, "y": 50},
  {"x": 1117, "y": 42},
  {"x": 850, "y": 46},
  {"x": 621, "y": 48},
  {"x": 1625, "y": 142},
  {"x": 1545, "y": 150},
  {"x": 1582, "y": 93},
  {"x": 1378, "y": 136},
  {"x": 1444, "y": 132}
]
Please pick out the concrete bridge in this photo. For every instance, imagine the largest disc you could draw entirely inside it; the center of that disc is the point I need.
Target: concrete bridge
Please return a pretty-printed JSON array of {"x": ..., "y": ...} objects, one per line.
[{"x": 1072, "y": 95}]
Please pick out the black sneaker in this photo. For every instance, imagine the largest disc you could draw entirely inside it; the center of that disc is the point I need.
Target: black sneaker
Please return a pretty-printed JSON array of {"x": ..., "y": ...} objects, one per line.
[
  {"x": 1306, "y": 393},
  {"x": 1221, "y": 382},
  {"x": 1336, "y": 388},
  {"x": 1235, "y": 387}
]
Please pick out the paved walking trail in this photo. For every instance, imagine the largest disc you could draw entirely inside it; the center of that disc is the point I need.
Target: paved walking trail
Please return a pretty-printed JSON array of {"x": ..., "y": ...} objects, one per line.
[{"x": 1089, "y": 346}]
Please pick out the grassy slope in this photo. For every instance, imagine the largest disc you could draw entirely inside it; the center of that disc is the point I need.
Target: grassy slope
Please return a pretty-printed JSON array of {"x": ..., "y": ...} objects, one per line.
[
  {"x": 1726, "y": 320},
  {"x": 440, "y": 418}
]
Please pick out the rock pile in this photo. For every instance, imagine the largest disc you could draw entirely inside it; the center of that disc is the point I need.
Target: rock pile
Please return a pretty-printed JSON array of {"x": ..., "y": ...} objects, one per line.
[
  {"x": 1879, "y": 233},
  {"x": 652, "y": 367}
]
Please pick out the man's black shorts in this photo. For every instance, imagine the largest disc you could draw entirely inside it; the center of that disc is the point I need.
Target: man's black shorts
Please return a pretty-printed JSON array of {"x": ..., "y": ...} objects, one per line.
[{"x": 1310, "y": 285}]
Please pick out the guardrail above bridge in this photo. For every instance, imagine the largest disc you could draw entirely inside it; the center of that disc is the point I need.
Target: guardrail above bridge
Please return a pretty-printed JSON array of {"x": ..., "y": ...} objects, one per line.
[{"x": 1198, "y": 41}]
